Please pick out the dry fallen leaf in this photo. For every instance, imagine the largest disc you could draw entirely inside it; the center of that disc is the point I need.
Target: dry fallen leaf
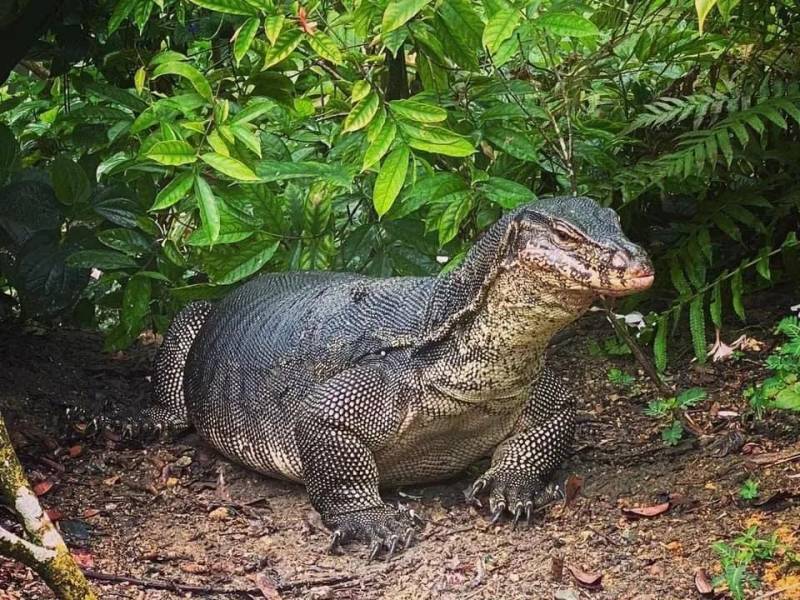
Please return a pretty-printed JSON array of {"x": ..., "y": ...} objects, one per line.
[
  {"x": 572, "y": 488},
  {"x": 646, "y": 511},
  {"x": 75, "y": 451},
  {"x": 702, "y": 582},
  {"x": 266, "y": 587},
  {"x": 219, "y": 514},
  {"x": 83, "y": 557},
  {"x": 193, "y": 568},
  {"x": 54, "y": 514},
  {"x": 586, "y": 579},
  {"x": 42, "y": 487},
  {"x": 90, "y": 512},
  {"x": 557, "y": 568}
]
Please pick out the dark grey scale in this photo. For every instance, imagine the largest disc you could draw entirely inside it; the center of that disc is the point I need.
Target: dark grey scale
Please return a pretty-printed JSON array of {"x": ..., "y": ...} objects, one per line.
[{"x": 347, "y": 383}]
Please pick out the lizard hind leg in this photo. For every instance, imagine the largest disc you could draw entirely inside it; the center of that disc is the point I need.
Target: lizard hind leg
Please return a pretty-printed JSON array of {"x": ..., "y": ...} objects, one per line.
[{"x": 168, "y": 412}]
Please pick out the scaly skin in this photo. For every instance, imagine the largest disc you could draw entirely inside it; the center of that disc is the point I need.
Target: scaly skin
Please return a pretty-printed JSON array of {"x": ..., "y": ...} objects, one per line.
[{"x": 347, "y": 383}]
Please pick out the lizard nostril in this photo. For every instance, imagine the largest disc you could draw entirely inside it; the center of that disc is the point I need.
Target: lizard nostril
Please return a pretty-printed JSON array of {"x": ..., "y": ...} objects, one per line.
[{"x": 619, "y": 260}]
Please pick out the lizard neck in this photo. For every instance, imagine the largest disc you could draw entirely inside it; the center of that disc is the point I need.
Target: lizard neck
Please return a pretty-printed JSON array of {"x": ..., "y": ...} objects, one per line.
[{"x": 497, "y": 352}]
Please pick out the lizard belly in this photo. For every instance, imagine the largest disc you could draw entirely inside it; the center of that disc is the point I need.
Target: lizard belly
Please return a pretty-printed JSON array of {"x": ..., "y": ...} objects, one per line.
[{"x": 435, "y": 444}]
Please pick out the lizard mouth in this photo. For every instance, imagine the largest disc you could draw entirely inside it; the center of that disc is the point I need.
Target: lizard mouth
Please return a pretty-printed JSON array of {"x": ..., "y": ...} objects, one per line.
[{"x": 631, "y": 285}]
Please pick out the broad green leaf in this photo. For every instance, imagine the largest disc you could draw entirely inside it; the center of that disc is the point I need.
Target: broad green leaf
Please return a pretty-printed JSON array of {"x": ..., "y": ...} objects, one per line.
[
  {"x": 703, "y": 7},
  {"x": 273, "y": 170},
  {"x": 231, "y": 7},
  {"x": 121, "y": 11},
  {"x": 101, "y": 259},
  {"x": 283, "y": 47},
  {"x": 325, "y": 47},
  {"x": 273, "y": 26},
  {"x": 360, "y": 89},
  {"x": 399, "y": 12},
  {"x": 390, "y": 180},
  {"x": 247, "y": 260},
  {"x": 450, "y": 220},
  {"x": 506, "y": 193},
  {"x": 437, "y": 140},
  {"x": 243, "y": 38},
  {"x": 418, "y": 111},
  {"x": 250, "y": 139},
  {"x": 499, "y": 28},
  {"x": 209, "y": 212},
  {"x": 187, "y": 71},
  {"x": 569, "y": 24},
  {"x": 788, "y": 398},
  {"x": 135, "y": 302},
  {"x": 141, "y": 13},
  {"x": 172, "y": 152},
  {"x": 139, "y": 78},
  {"x": 69, "y": 181},
  {"x": 231, "y": 167},
  {"x": 362, "y": 113},
  {"x": 515, "y": 142},
  {"x": 380, "y": 146},
  {"x": 129, "y": 241},
  {"x": 174, "y": 191}
]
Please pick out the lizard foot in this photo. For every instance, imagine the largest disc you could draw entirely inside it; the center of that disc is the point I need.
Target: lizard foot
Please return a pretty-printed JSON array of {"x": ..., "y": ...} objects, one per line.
[
  {"x": 382, "y": 528},
  {"x": 519, "y": 495}
]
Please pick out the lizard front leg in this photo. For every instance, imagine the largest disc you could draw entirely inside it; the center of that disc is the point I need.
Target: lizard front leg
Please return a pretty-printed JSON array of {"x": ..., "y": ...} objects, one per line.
[
  {"x": 344, "y": 421},
  {"x": 523, "y": 463}
]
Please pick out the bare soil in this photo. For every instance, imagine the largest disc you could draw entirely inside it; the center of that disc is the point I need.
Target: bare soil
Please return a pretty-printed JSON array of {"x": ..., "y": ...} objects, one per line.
[{"x": 178, "y": 513}]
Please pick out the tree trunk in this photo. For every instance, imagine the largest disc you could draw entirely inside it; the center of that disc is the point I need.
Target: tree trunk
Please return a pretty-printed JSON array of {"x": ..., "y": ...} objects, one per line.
[{"x": 45, "y": 551}]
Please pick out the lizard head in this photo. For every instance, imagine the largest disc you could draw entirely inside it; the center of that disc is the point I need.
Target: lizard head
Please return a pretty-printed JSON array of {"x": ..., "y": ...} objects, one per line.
[{"x": 577, "y": 245}]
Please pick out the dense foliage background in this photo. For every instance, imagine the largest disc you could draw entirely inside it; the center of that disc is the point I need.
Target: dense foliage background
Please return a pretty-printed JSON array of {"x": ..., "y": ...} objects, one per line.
[{"x": 158, "y": 151}]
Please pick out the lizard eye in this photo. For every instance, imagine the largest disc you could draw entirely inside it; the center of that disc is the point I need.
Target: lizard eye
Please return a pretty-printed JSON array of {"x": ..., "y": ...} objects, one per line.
[{"x": 565, "y": 238}]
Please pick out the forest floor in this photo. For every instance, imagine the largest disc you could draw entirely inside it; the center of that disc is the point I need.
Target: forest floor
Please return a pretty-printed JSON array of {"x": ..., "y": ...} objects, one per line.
[{"x": 177, "y": 512}]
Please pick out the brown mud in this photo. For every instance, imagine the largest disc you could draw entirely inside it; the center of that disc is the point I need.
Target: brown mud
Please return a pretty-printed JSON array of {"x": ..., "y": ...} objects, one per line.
[{"x": 177, "y": 512}]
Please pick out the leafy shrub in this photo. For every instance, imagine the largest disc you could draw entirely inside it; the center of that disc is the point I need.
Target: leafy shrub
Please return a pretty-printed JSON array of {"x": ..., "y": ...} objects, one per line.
[
  {"x": 737, "y": 557},
  {"x": 669, "y": 409},
  {"x": 782, "y": 389},
  {"x": 216, "y": 139}
]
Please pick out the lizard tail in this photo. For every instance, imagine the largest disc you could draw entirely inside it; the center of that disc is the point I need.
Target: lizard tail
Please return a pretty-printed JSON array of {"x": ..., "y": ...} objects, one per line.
[{"x": 169, "y": 410}]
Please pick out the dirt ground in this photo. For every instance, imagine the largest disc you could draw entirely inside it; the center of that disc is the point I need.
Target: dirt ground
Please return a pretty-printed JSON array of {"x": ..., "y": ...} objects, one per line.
[{"x": 177, "y": 512}]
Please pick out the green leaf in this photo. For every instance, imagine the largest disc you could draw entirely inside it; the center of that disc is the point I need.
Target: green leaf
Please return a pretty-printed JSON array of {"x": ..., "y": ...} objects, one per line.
[
  {"x": 362, "y": 113},
  {"x": 788, "y": 398},
  {"x": 231, "y": 167},
  {"x": 101, "y": 259},
  {"x": 188, "y": 72},
  {"x": 69, "y": 181},
  {"x": 172, "y": 152},
  {"x": 360, "y": 89},
  {"x": 568, "y": 24},
  {"x": 135, "y": 302},
  {"x": 174, "y": 191},
  {"x": 380, "y": 146},
  {"x": 715, "y": 307},
  {"x": 689, "y": 398},
  {"x": 660, "y": 344},
  {"x": 247, "y": 137},
  {"x": 419, "y": 112},
  {"x": 673, "y": 434},
  {"x": 449, "y": 223},
  {"x": 247, "y": 260},
  {"x": 139, "y": 79},
  {"x": 243, "y": 38},
  {"x": 437, "y": 140},
  {"x": 506, "y": 193},
  {"x": 283, "y": 47},
  {"x": 703, "y": 7},
  {"x": 499, "y": 28},
  {"x": 399, "y": 12},
  {"x": 325, "y": 47},
  {"x": 737, "y": 291},
  {"x": 390, "y": 180},
  {"x": 209, "y": 212},
  {"x": 273, "y": 26},
  {"x": 231, "y": 7},
  {"x": 141, "y": 13},
  {"x": 697, "y": 327},
  {"x": 121, "y": 11},
  {"x": 129, "y": 241}
]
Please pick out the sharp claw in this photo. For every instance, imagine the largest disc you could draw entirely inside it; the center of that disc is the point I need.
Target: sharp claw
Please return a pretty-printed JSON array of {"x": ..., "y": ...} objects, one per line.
[
  {"x": 478, "y": 486},
  {"x": 374, "y": 548},
  {"x": 392, "y": 545},
  {"x": 501, "y": 507},
  {"x": 517, "y": 515},
  {"x": 528, "y": 512},
  {"x": 336, "y": 540},
  {"x": 408, "y": 537}
]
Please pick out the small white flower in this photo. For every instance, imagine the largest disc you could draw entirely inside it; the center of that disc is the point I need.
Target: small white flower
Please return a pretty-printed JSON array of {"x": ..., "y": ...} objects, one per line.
[{"x": 442, "y": 259}]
